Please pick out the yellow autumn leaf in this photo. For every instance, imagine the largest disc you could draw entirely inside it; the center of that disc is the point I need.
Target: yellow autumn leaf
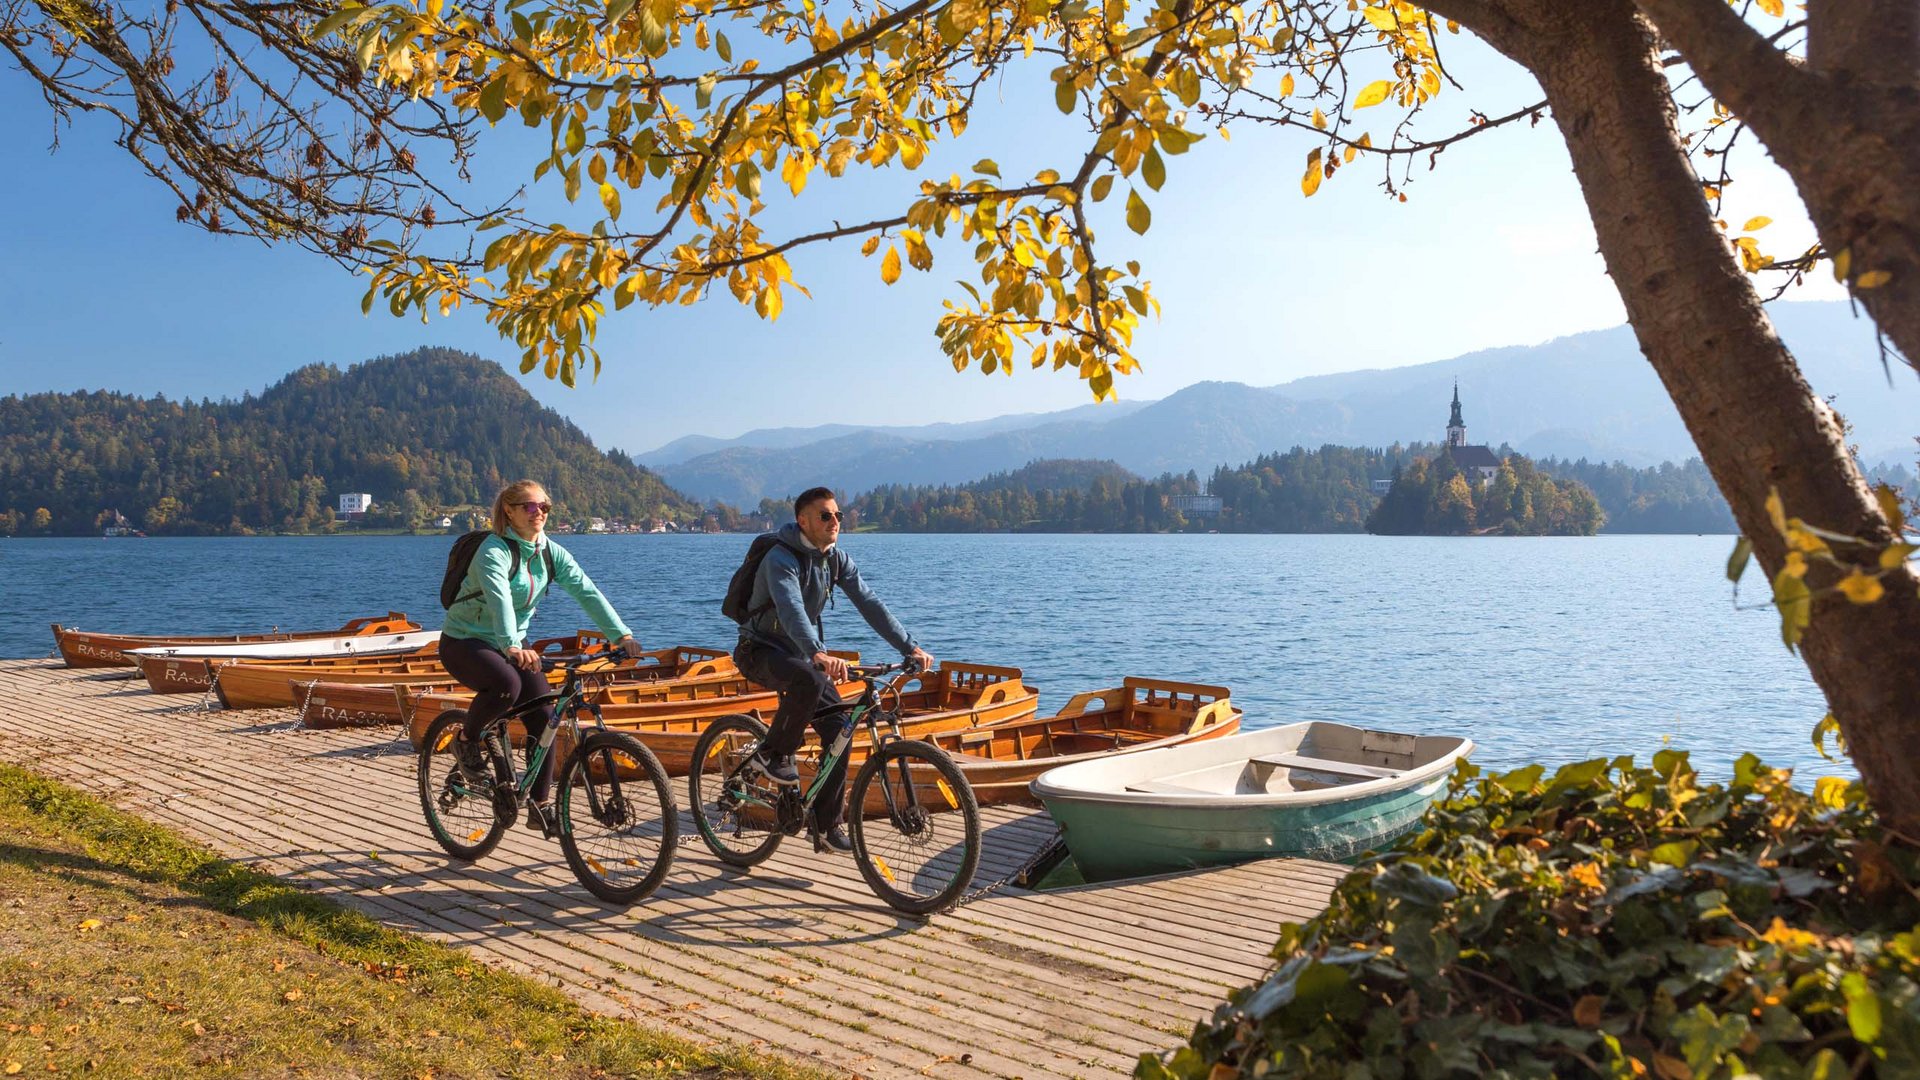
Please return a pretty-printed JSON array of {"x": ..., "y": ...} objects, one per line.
[
  {"x": 1310, "y": 183},
  {"x": 1894, "y": 555},
  {"x": 1776, "y": 509},
  {"x": 1786, "y": 936},
  {"x": 1753, "y": 223},
  {"x": 1862, "y": 588},
  {"x": 1842, "y": 264},
  {"x": 872, "y": 245},
  {"x": 1873, "y": 279},
  {"x": 1587, "y": 875},
  {"x": 13, "y": 1068},
  {"x": 1775, "y": 8},
  {"x": 90, "y": 924},
  {"x": 1319, "y": 119},
  {"x": 890, "y": 265},
  {"x": 1796, "y": 565},
  {"x": 1286, "y": 84},
  {"x": 1138, "y": 216},
  {"x": 1373, "y": 94},
  {"x": 1830, "y": 792}
]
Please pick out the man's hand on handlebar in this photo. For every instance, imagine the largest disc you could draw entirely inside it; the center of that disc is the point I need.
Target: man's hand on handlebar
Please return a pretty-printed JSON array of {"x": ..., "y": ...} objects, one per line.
[
  {"x": 834, "y": 666},
  {"x": 921, "y": 659}
]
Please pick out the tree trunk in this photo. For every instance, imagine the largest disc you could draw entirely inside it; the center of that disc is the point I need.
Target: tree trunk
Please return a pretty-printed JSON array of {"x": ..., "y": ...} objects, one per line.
[
  {"x": 1845, "y": 126},
  {"x": 1755, "y": 420}
]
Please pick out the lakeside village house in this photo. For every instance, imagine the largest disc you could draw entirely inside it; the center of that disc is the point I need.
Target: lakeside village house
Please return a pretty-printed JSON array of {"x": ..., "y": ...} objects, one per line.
[{"x": 1479, "y": 463}]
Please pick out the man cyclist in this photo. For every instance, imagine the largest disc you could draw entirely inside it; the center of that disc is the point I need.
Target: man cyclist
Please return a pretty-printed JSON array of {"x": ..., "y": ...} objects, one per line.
[{"x": 782, "y": 646}]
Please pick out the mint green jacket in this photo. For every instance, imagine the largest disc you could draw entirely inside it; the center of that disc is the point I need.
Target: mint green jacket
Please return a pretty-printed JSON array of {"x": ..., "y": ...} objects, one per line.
[{"x": 499, "y": 615}]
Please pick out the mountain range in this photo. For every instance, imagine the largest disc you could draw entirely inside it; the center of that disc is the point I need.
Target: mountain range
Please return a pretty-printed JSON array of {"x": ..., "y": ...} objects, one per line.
[{"x": 1589, "y": 395}]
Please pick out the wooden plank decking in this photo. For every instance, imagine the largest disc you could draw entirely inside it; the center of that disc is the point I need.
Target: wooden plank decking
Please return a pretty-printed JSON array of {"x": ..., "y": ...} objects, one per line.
[{"x": 797, "y": 957}]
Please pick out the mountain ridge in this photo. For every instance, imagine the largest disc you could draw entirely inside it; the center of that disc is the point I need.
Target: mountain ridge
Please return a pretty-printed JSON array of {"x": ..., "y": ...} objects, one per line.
[{"x": 1589, "y": 395}]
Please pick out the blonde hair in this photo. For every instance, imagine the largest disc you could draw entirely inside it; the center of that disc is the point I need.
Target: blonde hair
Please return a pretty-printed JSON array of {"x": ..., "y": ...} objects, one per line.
[{"x": 512, "y": 493}]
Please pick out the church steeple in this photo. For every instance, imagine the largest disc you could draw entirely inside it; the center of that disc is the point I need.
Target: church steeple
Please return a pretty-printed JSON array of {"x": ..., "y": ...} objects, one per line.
[{"x": 1456, "y": 427}]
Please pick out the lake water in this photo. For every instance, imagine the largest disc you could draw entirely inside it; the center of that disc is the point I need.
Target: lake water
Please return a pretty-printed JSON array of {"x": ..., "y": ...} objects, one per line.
[{"x": 1539, "y": 649}]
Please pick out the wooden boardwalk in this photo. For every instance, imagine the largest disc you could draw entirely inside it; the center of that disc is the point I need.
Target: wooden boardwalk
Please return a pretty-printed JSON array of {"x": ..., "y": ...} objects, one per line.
[{"x": 797, "y": 957}]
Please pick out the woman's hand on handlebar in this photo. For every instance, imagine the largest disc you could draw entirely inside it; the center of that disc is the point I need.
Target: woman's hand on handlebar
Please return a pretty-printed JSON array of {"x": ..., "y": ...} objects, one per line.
[
  {"x": 524, "y": 659},
  {"x": 834, "y": 666},
  {"x": 626, "y": 646}
]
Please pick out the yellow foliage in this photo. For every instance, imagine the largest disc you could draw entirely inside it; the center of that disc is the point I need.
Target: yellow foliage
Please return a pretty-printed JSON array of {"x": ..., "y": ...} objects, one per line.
[
  {"x": 1779, "y": 933},
  {"x": 1861, "y": 588},
  {"x": 1373, "y": 94}
]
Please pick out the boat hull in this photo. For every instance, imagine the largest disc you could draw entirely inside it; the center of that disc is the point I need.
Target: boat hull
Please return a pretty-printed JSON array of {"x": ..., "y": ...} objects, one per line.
[
  {"x": 1313, "y": 789},
  {"x": 81, "y": 648},
  {"x": 1117, "y": 840}
]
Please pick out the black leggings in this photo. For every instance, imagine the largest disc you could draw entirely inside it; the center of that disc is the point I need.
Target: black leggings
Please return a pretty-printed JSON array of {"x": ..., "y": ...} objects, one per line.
[
  {"x": 805, "y": 692},
  {"x": 498, "y": 686}
]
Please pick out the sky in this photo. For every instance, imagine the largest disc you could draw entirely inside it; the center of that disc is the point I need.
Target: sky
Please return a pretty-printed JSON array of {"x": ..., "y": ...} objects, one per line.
[{"x": 101, "y": 289}]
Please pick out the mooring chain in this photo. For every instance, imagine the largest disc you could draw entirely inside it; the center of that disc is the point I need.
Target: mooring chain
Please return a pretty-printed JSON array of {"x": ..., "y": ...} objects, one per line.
[
  {"x": 213, "y": 680},
  {"x": 301, "y": 720},
  {"x": 994, "y": 886}
]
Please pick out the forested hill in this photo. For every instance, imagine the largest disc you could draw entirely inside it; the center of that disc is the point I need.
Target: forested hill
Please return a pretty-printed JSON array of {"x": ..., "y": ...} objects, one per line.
[{"x": 421, "y": 432}]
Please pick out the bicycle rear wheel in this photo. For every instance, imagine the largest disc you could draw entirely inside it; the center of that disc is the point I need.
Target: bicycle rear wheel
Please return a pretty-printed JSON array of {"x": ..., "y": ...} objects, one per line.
[
  {"x": 619, "y": 826},
  {"x": 463, "y": 812},
  {"x": 735, "y": 808},
  {"x": 915, "y": 827}
]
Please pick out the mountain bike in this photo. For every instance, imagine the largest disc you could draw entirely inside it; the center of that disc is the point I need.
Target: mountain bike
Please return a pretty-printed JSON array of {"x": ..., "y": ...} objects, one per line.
[
  {"x": 913, "y": 820},
  {"x": 614, "y": 811}
]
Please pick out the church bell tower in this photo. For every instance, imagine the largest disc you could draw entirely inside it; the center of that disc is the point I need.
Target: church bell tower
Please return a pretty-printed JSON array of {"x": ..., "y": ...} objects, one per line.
[{"x": 1456, "y": 427}]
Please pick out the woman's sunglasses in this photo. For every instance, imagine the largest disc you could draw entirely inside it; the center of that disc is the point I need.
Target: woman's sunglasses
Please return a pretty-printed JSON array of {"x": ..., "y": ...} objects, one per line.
[{"x": 536, "y": 507}]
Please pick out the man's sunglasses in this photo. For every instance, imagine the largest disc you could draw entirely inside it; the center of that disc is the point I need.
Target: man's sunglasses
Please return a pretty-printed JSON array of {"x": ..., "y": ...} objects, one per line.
[
  {"x": 536, "y": 507},
  {"x": 829, "y": 515}
]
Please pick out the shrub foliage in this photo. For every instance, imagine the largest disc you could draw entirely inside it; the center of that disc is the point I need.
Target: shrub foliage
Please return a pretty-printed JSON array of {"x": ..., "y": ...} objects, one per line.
[{"x": 1609, "y": 921}]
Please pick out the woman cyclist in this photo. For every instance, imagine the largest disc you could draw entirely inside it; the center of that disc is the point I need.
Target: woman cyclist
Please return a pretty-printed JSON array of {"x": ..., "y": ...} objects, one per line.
[{"x": 483, "y": 641}]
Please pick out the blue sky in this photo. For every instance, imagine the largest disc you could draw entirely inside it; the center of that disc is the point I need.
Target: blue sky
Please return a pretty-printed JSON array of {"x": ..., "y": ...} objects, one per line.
[{"x": 100, "y": 288}]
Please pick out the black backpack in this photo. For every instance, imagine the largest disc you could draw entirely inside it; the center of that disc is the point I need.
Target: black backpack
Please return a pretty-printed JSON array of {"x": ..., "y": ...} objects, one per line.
[
  {"x": 740, "y": 586},
  {"x": 461, "y": 558}
]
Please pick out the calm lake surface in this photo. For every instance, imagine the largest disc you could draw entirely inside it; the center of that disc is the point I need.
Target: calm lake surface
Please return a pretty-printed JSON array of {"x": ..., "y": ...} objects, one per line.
[{"x": 1539, "y": 649}]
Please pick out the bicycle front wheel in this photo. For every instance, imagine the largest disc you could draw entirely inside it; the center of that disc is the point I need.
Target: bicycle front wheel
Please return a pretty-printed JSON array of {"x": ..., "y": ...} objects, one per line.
[
  {"x": 464, "y": 808},
  {"x": 619, "y": 826},
  {"x": 915, "y": 827},
  {"x": 735, "y": 808}
]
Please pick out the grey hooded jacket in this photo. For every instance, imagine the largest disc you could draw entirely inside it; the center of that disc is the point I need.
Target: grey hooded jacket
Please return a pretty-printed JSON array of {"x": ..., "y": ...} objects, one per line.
[{"x": 798, "y": 588}]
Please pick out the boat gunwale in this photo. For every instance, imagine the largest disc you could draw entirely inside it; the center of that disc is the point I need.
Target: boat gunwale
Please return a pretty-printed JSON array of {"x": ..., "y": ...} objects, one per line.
[{"x": 1044, "y": 788}]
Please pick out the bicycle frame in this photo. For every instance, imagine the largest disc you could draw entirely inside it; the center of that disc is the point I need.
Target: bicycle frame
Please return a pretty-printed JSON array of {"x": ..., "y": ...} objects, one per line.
[
  {"x": 865, "y": 709},
  {"x": 565, "y": 705}
]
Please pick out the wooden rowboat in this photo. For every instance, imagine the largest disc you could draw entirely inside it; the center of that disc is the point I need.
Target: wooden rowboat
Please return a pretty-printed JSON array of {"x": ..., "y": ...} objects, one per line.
[
  {"x": 1000, "y": 760},
  {"x": 328, "y": 702},
  {"x": 953, "y": 697},
  {"x": 185, "y": 670},
  {"x": 1310, "y": 790},
  {"x": 83, "y": 649},
  {"x": 265, "y": 686},
  {"x": 696, "y": 696}
]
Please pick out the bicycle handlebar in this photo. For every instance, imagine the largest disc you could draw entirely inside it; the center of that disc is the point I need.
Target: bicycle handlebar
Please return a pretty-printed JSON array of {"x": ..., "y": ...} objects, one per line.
[
  {"x": 576, "y": 661},
  {"x": 874, "y": 671}
]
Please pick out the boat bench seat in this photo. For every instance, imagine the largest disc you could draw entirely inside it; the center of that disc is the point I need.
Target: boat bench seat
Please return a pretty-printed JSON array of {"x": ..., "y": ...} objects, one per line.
[
  {"x": 1161, "y": 787},
  {"x": 1327, "y": 765}
]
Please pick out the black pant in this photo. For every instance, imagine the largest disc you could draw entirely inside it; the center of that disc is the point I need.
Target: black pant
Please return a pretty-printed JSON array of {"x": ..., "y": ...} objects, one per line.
[
  {"x": 498, "y": 686},
  {"x": 805, "y": 691}
]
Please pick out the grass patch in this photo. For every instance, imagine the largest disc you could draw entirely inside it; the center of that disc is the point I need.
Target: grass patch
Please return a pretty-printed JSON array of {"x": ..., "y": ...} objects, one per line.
[{"x": 127, "y": 950}]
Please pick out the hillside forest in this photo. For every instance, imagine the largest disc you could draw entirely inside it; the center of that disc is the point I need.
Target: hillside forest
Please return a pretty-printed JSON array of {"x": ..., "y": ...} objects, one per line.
[{"x": 430, "y": 430}]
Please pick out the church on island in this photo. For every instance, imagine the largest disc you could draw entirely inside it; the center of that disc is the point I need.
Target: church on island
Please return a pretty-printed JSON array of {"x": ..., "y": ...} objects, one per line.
[{"x": 1477, "y": 462}]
